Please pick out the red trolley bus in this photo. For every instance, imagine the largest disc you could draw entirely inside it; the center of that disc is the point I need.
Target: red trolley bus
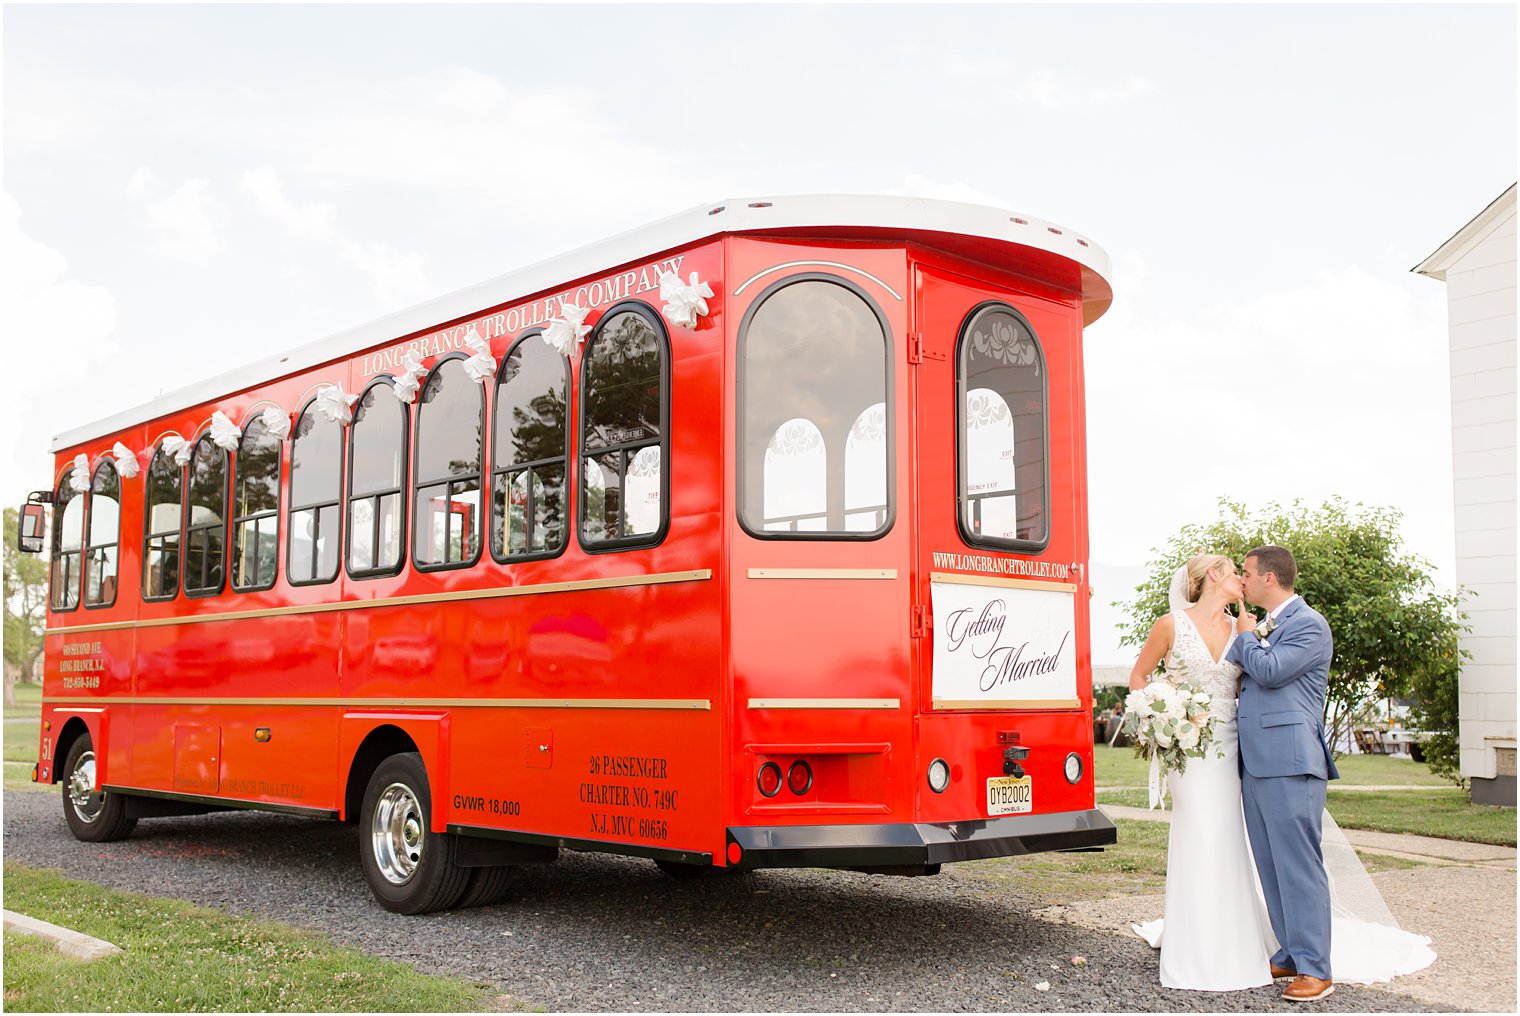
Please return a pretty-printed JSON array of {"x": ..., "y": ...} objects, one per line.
[{"x": 752, "y": 538}]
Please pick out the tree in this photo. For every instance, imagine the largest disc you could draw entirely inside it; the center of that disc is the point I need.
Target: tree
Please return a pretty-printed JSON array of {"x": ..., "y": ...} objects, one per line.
[
  {"x": 1395, "y": 632},
  {"x": 25, "y": 608}
]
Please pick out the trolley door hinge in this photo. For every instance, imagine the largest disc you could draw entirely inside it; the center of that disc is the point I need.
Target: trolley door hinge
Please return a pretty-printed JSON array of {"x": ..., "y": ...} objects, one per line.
[
  {"x": 923, "y": 621},
  {"x": 918, "y": 352}
]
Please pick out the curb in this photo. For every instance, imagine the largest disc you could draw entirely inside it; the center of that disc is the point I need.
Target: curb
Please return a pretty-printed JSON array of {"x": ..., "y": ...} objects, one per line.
[{"x": 70, "y": 943}]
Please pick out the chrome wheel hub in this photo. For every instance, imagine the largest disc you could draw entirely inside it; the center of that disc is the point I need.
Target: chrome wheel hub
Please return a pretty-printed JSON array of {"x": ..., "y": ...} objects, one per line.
[
  {"x": 87, "y": 803},
  {"x": 397, "y": 833}
]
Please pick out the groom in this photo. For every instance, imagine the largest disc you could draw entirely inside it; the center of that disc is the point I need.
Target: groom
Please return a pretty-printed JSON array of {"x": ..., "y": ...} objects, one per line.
[{"x": 1285, "y": 765}]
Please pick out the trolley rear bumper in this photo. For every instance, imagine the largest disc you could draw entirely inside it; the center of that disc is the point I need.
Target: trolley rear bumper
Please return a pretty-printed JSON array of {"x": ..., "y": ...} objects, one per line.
[{"x": 921, "y": 843}]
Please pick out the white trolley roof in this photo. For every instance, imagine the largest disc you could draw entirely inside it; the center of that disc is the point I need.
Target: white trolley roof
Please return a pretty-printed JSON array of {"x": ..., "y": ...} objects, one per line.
[{"x": 736, "y": 215}]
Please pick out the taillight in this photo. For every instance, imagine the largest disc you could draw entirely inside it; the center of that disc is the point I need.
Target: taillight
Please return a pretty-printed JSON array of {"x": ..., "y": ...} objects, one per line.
[
  {"x": 799, "y": 777},
  {"x": 939, "y": 775},
  {"x": 769, "y": 779}
]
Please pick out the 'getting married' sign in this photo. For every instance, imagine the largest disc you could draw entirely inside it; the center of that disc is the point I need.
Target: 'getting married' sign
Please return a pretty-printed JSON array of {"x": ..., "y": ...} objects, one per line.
[{"x": 1003, "y": 643}]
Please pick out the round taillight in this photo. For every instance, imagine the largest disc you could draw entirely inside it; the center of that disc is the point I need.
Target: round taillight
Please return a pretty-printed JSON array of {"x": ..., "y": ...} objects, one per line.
[
  {"x": 939, "y": 775},
  {"x": 769, "y": 779},
  {"x": 1073, "y": 768},
  {"x": 800, "y": 777}
]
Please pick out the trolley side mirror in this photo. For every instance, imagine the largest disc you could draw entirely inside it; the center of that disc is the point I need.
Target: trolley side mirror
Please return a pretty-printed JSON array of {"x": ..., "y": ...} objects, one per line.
[{"x": 31, "y": 526}]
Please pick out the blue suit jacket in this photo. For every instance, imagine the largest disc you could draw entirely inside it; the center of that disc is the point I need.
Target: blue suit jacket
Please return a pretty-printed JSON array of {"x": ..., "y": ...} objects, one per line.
[{"x": 1281, "y": 716}]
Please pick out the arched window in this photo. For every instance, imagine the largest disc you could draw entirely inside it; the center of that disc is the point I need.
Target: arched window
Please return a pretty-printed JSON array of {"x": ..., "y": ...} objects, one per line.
[
  {"x": 68, "y": 543},
  {"x": 316, "y": 482},
  {"x": 624, "y": 430},
  {"x": 815, "y": 440},
  {"x": 530, "y": 447},
  {"x": 1001, "y": 390},
  {"x": 101, "y": 543},
  {"x": 450, "y": 455},
  {"x": 206, "y": 529},
  {"x": 256, "y": 508},
  {"x": 164, "y": 489},
  {"x": 377, "y": 478}
]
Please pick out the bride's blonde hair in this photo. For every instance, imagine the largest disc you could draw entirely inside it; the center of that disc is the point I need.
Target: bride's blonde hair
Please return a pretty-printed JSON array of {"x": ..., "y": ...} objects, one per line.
[{"x": 1198, "y": 571}]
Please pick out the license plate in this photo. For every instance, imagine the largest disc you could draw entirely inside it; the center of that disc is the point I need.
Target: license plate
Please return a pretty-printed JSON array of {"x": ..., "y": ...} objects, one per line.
[{"x": 1009, "y": 795}]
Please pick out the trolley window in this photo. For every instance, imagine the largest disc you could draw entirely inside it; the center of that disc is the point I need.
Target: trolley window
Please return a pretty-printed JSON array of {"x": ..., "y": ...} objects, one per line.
[
  {"x": 104, "y": 537},
  {"x": 450, "y": 456},
  {"x": 68, "y": 543},
  {"x": 530, "y": 448},
  {"x": 316, "y": 480},
  {"x": 165, "y": 494},
  {"x": 816, "y": 438},
  {"x": 1003, "y": 432},
  {"x": 256, "y": 508},
  {"x": 376, "y": 482},
  {"x": 206, "y": 530},
  {"x": 624, "y": 473}
]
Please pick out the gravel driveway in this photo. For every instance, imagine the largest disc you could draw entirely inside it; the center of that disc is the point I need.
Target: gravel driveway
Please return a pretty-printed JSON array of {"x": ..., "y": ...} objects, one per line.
[{"x": 596, "y": 932}]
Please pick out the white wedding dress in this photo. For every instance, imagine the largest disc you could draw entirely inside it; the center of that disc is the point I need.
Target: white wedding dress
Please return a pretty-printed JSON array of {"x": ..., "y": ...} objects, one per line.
[{"x": 1218, "y": 936}]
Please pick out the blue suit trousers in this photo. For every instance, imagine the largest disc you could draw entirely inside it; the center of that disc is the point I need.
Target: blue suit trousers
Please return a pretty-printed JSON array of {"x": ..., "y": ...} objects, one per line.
[{"x": 1284, "y": 821}]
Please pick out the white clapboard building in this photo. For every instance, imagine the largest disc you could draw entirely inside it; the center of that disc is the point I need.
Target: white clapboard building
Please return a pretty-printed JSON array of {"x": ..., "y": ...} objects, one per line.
[{"x": 1478, "y": 266}]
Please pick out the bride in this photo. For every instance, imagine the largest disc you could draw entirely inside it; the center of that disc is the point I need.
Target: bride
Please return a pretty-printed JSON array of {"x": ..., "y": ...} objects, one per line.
[{"x": 1218, "y": 936}]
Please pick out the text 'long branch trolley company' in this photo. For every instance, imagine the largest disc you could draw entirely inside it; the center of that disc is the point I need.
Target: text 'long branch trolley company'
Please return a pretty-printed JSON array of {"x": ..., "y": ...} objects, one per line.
[{"x": 753, "y": 538}]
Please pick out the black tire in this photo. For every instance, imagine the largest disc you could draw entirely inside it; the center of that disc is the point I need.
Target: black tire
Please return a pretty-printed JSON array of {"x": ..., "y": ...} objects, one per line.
[
  {"x": 488, "y": 885},
  {"x": 93, "y": 816},
  {"x": 410, "y": 868},
  {"x": 683, "y": 872}
]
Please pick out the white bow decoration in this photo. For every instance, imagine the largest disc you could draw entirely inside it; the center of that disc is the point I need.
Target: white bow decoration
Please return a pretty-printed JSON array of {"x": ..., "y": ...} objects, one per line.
[
  {"x": 481, "y": 365},
  {"x": 405, "y": 384},
  {"x": 276, "y": 423},
  {"x": 566, "y": 331},
  {"x": 335, "y": 404},
  {"x": 79, "y": 479},
  {"x": 224, "y": 433},
  {"x": 684, "y": 302},
  {"x": 177, "y": 447},
  {"x": 126, "y": 460}
]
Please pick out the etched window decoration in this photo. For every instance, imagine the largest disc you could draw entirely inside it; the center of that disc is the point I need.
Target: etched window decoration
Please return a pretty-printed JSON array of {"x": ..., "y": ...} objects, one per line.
[
  {"x": 1003, "y": 432},
  {"x": 623, "y": 439},
  {"x": 68, "y": 543},
  {"x": 316, "y": 481},
  {"x": 530, "y": 448},
  {"x": 815, "y": 434},
  {"x": 256, "y": 508},
  {"x": 865, "y": 471},
  {"x": 206, "y": 527},
  {"x": 450, "y": 450},
  {"x": 796, "y": 479},
  {"x": 164, "y": 488},
  {"x": 103, "y": 539},
  {"x": 376, "y": 505}
]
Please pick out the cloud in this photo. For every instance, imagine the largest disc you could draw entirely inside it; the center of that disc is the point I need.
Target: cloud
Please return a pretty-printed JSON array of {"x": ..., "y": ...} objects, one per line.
[
  {"x": 144, "y": 183},
  {"x": 397, "y": 278},
  {"x": 1051, "y": 89},
  {"x": 182, "y": 225}
]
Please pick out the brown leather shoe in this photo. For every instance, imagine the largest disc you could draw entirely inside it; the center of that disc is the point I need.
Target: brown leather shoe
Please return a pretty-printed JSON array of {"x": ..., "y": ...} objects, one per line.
[
  {"x": 1281, "y": 972},
  {"x": 1308, "y": 989}
]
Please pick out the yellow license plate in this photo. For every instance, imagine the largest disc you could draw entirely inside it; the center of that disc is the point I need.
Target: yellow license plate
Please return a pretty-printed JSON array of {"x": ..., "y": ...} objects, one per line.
[{"x": 1009, "y": 795}]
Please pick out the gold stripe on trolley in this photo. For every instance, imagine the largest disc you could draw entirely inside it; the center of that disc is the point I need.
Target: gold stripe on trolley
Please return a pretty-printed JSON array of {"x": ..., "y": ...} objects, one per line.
[
  {"x": 396, "y": 601},
  {"x": 389, "y": 703},
  {"x": 825, "y": 703},
  {"x": 822, "y": 573},
  {"x": 988, "y": 580}
]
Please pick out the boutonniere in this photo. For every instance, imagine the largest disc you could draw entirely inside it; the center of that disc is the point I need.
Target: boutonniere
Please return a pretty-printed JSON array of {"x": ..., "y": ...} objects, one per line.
[{"x": 1267, "y": 627}]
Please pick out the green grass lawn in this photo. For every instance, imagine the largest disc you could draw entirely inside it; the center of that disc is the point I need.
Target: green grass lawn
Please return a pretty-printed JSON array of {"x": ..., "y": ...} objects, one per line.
[
  {"x": 180, "y": 958},
  {"x": 1118, "y": 767},
  {"x": 28, "y": 704}
]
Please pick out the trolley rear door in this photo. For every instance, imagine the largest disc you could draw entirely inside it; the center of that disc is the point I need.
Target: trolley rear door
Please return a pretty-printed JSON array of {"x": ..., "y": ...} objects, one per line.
[{"x": 999, "y": 603}]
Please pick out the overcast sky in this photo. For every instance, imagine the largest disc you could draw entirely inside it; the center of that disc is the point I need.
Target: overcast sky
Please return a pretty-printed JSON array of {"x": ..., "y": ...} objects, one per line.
[{"x": 188, "y": 188}]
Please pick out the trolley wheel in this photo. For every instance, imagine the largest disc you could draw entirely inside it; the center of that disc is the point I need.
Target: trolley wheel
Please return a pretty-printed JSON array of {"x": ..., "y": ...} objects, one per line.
[
  {"x": 410, "y": 869},
  {"x": 93, "y": 816},
  {"x": 683, "y": 872},
  {"x": 488, "y": 885}
]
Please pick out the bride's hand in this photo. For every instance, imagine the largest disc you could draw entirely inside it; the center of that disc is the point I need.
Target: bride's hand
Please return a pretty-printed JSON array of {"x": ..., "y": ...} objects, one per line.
[{"x": 1247, "y": 619}]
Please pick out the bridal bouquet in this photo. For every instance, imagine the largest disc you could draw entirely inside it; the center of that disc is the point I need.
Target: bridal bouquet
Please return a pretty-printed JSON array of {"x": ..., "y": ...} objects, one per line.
[{"x": 1170, "y": 723}]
